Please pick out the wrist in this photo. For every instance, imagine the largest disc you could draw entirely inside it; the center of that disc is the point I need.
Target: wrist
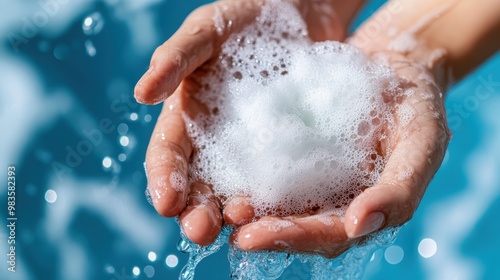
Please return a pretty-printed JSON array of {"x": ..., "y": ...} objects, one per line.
[
  {"x": 329, "y": 19},
  {"x": 461, "y": 33}
]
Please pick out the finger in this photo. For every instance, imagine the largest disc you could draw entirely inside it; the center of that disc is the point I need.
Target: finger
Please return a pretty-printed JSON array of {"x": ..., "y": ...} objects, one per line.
[
  {"x": 394, "y": 198},
  {"x": 196, "y": 41},
  {"x": 328, "y": 20},
  {"x": 238, "y": 211},
  {"x": 201, "y": 221},
  {"x": 318, "y": 234},
  {"x": 167, "y": 158}
]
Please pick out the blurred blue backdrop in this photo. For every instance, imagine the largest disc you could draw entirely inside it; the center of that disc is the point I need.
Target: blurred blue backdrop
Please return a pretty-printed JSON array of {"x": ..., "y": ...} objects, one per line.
[{"x": 69, "y": 124}]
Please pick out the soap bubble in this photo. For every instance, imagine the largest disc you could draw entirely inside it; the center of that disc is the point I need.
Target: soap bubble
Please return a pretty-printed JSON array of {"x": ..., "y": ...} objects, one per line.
[{"x": 92, "y": 24}]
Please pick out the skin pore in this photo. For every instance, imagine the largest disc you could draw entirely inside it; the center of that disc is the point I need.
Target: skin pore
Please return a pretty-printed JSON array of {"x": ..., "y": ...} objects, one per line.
[{"x": 453, "y": 42}]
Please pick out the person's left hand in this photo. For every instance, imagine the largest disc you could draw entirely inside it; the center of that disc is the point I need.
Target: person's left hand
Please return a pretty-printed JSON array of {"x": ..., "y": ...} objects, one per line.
[{"x": 415, "y": 148}]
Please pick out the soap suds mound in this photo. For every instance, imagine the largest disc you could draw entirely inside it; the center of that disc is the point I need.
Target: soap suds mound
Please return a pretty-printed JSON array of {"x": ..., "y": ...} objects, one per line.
[{"x": 294, "y": 125}]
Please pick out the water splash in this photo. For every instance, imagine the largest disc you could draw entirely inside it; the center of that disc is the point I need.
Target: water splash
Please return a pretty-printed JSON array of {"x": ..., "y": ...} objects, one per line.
[
  {"x": 258, "y": 265},
  {"x": 271, "y": 265},
  {"x": 198, "y": 253}
]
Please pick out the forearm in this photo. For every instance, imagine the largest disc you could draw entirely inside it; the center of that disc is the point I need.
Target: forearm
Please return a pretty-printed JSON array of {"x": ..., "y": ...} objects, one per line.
[
  {"x": 347, "y": 9},
  {"x": 468, "y": 31}
]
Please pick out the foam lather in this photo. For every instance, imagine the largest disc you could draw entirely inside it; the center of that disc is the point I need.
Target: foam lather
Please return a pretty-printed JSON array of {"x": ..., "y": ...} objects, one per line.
[{"x": 294, "y": 125}]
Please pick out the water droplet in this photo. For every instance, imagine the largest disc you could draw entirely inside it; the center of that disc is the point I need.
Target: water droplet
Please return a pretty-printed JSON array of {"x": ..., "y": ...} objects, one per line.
[
  {"x": 106, "y": 162},
  {"x": 90, "y": 49},
  {"x": 133, "y": 116},
  {"x": 124, "y": 141},
  {"x": 183, "y": 246},
  {"x": 152, "y": 256},
  {"x": 50, "y": 196},
  {"x": 122, "y": 157},
  {"x": 109, "y": 269},
  {"x": 172, "y": 261},
  {"x": 427, "y": 247},
  {"x": 93, "y": 24},
  {"x": 122, "y": 128},
  {"x": 136, "y": 271},
  {"x": 394, "y": 254}
]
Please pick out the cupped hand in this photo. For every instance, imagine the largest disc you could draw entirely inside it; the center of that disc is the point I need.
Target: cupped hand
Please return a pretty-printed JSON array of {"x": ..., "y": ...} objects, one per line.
[
  {"x": 414, "y": 149},
  {"x": 171, "y": 74}
]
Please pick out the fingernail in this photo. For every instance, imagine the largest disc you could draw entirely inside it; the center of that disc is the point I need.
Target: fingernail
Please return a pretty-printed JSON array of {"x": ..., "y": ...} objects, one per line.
[
  {"x": 372, "y": 223},
  {"x": 233, "y": 238}
]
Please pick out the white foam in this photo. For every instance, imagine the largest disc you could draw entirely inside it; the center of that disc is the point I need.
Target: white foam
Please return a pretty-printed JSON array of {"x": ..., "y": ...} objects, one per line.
[
  {"x": 406, "y": 113},
  {"x": 405, "y": 173},
  {"x": 295, "y": 123},
  {"x": 177, "y": 181}
]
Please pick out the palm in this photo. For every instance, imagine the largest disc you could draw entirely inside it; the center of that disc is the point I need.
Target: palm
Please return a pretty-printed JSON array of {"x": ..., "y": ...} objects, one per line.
[{"x": 417, "y": 146}]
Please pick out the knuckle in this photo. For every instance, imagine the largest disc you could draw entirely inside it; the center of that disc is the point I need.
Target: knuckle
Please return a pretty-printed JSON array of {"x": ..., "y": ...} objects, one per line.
[
  {"x": 408, "y": 199},
  {"x": 156, "y": 54}
]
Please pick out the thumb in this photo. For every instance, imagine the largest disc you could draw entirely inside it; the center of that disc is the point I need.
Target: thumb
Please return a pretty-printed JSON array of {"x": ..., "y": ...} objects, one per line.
[{"x": 409, "y": 169}]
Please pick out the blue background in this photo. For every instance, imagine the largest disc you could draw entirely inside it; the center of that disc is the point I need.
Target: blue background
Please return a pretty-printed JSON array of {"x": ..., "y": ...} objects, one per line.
[{"x": 54, "y": 92}]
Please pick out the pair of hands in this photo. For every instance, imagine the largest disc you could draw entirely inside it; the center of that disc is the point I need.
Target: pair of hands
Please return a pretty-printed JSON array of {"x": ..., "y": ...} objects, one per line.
[{"x": 416, "y": 145}]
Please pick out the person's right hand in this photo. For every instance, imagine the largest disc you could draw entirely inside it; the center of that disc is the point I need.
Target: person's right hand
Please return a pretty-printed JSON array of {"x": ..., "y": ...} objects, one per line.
[
  {"x": 174, "y": 68},
  {"x": 414, "y": 147}
]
